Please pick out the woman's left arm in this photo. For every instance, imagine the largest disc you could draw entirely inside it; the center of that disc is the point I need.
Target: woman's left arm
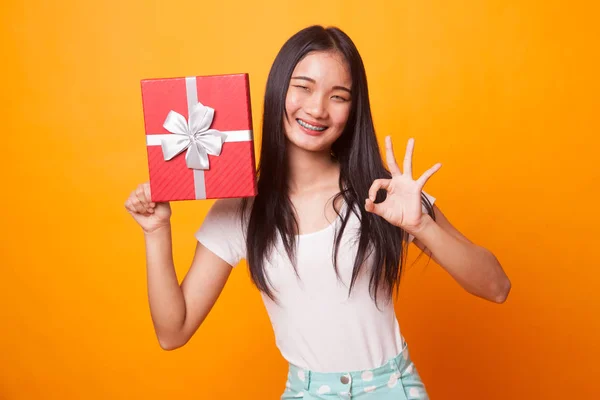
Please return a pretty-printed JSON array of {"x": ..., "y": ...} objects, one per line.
[{"x": 474, "y": 267}]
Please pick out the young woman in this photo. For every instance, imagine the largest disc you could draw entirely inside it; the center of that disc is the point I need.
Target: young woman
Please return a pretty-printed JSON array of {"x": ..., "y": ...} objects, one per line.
[{"x": 325, "y": 238}]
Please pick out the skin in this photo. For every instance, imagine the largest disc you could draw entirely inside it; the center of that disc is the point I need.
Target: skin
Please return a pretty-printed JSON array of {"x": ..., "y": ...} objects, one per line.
[{"x": 318, "y": 94}]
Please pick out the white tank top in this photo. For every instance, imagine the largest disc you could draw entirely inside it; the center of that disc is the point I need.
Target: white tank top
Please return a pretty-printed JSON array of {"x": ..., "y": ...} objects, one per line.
[{"x": 316, "y": 324}]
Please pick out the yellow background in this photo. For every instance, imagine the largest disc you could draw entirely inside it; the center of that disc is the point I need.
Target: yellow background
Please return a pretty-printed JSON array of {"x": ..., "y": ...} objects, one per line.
[{"x": 503, "y": 93}]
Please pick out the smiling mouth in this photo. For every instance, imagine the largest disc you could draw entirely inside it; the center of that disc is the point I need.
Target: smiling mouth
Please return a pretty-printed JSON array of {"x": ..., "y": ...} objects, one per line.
[{"x": 311, "y": 127}]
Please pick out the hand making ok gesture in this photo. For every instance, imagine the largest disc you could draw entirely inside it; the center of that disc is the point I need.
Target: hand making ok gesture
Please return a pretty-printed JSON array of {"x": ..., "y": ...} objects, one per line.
[{"x": 402, "y": 206}]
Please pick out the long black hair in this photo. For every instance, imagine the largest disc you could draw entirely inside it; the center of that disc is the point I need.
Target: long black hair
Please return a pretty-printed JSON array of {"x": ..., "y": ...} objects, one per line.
[{"x": 360, "y": 161}]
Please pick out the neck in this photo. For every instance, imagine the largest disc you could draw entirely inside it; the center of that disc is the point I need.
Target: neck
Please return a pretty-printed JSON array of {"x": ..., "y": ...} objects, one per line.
[{"x": 310, "y": 169}]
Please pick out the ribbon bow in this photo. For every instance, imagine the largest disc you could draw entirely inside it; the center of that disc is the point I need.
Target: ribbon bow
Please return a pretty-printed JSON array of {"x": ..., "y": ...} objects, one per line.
[{"x": 192, "y": 135}]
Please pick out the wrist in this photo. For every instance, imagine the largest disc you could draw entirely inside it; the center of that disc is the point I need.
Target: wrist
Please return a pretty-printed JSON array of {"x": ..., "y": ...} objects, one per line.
[
  {"x": 158, "y": 230},
  {"x": 418, "y": 230}
]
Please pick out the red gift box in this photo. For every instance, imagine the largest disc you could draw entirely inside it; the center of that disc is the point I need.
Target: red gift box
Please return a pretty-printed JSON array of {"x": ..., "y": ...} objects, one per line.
[{"x": 199, "y": 137}]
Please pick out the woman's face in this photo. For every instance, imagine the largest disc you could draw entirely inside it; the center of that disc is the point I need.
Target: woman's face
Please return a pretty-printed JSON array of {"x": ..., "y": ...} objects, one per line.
[{"x": 318, "y": 101}]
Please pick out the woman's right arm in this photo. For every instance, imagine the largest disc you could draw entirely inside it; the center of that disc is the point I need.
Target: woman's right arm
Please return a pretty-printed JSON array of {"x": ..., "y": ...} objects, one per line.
[{"x": 176, "y": 310}]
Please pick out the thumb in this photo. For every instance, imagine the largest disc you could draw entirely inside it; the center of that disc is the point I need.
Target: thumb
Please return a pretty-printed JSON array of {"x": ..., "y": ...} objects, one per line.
[{"x": 375, "y": 208}]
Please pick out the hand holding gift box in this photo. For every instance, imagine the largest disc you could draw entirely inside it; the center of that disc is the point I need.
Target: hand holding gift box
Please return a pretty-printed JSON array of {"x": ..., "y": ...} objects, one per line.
[{"x": 199, "y": 137}]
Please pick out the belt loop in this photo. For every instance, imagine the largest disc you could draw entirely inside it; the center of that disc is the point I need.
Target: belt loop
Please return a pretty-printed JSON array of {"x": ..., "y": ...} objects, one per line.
[
  {"x": 307, "y": 376},
  {"x": 400, "y": 360},
  {"x": 396, "y": 361}
]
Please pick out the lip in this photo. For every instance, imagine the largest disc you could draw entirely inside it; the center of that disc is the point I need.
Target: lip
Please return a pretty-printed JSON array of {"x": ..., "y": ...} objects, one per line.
[{"x": 311, "y": 132}]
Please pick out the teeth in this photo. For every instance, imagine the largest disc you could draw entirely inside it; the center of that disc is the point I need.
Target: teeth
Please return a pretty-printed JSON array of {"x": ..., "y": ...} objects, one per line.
[{"x": 311, "y": 127}]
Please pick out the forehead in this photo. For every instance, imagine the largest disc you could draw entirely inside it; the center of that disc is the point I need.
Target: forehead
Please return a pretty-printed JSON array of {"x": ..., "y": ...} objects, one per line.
[{"x": 325, "y": 67}]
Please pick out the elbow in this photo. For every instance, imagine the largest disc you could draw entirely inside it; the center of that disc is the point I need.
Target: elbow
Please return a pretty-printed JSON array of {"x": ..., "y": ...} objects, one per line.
[
  {"x": 500, "y": 290},
  {"x": 168, "y": 346},
  {"x": 172, "y": 339},
  {"x": 170, "y": 343}
]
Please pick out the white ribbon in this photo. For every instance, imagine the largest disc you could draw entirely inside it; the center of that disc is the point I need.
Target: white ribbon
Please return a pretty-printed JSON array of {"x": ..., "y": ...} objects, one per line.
[{"x": 193, "y": 135}]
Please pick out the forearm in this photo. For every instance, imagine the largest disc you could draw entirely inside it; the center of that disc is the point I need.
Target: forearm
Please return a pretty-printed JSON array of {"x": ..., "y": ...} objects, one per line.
[
  {"x": 475, "y": 268},
  {"x": 167, "y": 303}
]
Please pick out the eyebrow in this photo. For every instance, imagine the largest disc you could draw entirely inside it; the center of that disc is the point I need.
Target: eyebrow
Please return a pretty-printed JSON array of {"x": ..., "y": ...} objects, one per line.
[{"x": 306, "y": 78}]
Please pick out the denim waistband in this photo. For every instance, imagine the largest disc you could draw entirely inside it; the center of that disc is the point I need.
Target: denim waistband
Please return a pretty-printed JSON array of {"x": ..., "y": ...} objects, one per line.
[{"x": 349, "y": 381}]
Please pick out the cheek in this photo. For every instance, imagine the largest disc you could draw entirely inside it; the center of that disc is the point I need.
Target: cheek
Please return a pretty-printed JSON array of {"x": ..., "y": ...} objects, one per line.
[
  {"x": 340, "y": 117},
  {"x": 292, "y": 102}
]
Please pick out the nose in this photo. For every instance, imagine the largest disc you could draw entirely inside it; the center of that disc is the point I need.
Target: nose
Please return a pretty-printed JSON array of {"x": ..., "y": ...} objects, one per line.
[{"x": 316, "y": 106}]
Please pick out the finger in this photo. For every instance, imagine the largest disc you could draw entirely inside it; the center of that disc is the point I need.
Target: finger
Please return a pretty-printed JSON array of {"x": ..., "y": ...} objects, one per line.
[
  {"x": 148, "y": 195},
  {"x": 377, "y": 185},
  {"x": 407, "y": 166},
  {"x": 141, "y": 196},
  {"x": 374, "y": 208},
  {"x": 130, "y": 206},
  {"x": 390, "y": 159},
  {"x": 427, "y": 174},
  {"x": 138, "y": 206}
]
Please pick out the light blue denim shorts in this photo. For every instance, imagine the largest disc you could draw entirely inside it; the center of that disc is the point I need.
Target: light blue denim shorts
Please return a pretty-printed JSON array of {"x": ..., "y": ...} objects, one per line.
[{"x": 397, "y": 379}]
